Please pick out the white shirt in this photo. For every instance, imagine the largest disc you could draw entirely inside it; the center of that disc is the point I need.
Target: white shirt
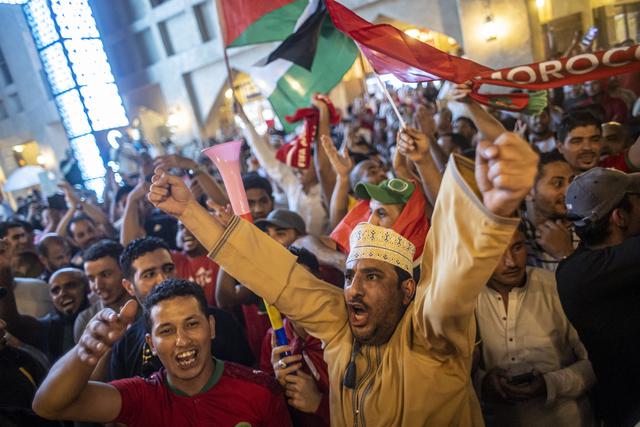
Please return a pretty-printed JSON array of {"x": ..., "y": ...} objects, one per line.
[
  {"x": 308, "y": 205},
  {"x": 534, "y": 333}
]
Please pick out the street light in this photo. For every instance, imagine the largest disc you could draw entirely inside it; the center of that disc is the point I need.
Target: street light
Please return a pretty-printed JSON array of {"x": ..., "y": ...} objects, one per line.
[{"x": 490, "y": 29}]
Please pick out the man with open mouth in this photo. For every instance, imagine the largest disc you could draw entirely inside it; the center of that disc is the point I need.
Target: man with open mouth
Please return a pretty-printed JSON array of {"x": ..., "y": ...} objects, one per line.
[
  {"x": 193, "y": 388},
  {"x": 397, "y": 353}
]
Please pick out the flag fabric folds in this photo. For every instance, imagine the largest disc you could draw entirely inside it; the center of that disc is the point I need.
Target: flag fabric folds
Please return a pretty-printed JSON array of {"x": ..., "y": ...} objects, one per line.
[
  {"x": 313, "y": 55},
  {"x": 390, "y": 51}
]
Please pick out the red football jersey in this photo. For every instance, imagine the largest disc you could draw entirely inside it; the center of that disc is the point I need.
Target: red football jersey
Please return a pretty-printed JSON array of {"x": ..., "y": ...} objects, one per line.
[
  {"x": 201, "y": 270},
  {"x": 238, "y": 397}
]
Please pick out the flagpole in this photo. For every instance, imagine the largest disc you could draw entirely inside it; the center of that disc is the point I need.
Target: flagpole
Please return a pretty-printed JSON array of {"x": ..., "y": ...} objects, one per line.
[
  {"x": 403, "y": 124},
  {"x": 225, "y": 55}
]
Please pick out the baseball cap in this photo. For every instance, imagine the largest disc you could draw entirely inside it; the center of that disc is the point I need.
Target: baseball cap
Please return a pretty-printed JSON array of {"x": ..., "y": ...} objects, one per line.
[
  {"x": 594, "y": 194},
  {"x": 389, "y": 192},
  {"x": 283, "y": 218}
]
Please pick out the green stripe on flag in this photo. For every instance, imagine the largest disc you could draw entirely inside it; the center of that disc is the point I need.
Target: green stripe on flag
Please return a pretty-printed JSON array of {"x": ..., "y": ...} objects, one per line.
[
  {"x": 274, "y": 26},
  {"x": 335, "y": 55}
]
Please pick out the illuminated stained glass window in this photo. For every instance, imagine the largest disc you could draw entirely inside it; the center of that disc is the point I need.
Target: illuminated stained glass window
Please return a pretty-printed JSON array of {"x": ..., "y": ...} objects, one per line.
[
  {"x": 55, "y": 65},
  {"x": 41, "y": 22},
  {"x": 104, "y": 105},
  {"x": 80, "y": 77},
  {"x": 89, "y": 160}
]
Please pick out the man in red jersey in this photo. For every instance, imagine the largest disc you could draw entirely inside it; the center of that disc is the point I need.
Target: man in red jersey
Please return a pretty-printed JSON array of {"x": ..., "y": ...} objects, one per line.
[{"x": 192, "y": 389}]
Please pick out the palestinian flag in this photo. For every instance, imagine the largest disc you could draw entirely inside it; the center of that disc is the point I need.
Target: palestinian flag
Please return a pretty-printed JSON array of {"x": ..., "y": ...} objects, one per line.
[{"x": 313, "y": 55}]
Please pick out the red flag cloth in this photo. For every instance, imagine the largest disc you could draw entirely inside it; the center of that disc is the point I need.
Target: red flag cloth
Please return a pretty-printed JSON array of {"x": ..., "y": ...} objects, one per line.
[
  {"x": 412, "y": 223},
  {"x": 389, "y": 50},
  {"x": 297, "y": 153},
  {"x": 237, "y": 15}
]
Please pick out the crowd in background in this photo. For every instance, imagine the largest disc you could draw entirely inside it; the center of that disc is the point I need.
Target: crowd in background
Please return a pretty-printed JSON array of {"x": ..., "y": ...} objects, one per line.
[{"x": 557, "y": 324}]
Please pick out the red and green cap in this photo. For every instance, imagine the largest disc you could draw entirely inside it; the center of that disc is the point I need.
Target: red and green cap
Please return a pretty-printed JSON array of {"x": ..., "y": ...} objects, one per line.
[{"x": 394, "y": 191}]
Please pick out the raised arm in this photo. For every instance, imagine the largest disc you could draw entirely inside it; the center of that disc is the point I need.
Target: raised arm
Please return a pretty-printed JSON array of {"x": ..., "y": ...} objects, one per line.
[
  {"x": 206, "y": 181},
  {"x": 414, "y": 145},
  {"x": 472, "y": 225},
  {"x": 256, "y": 260},
  {"x": 490, "y": 128},
  {"x": 325, "y": 250},
  {"x": 342, "y": 165},
  {"x": 132, "y": 223},
  {"x": 326, "y": 175},
  {"x": 67, "y": 393},
  {"x": 266, "y": 154}
]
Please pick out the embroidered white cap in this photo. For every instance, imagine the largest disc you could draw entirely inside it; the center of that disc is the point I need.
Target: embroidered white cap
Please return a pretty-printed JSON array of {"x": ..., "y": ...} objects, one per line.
[{"x": 369, "y": 241}]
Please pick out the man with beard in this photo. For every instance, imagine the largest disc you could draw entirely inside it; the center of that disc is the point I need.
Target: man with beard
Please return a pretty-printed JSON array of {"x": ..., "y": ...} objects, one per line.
[
  {"x": 54, "y": 252},
  {"x": 145, "y": 263},
  {"x": 540, "y": 134},
  {"x": 53, "y": 333},
  {"x": 193, "y": 264},
  {"x": 193, "y": 387},
  {"x": 598, "y": 286},
  {"x": 535, "y": 370},
  {"x": 580, "y": 142},
  {"x": 101, "y": 265},
  {"x": 549, "y": 235},
  {"x": 397, "y": 353}
]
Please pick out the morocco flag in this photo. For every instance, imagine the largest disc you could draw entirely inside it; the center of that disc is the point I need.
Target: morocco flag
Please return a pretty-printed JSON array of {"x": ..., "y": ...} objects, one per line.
[{"x": 311, "y": 56}]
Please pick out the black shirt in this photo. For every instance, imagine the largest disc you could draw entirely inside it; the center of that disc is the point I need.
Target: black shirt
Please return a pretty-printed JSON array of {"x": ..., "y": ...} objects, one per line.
[
  {"x": 132, "y": 357},
  {"x": 600, "y": 293}
]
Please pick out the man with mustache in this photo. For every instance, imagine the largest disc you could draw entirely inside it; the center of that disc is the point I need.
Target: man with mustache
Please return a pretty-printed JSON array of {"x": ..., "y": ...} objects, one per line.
[
  {"x": 580, "y": 142},
  {"x": 397, "y": 353},
  {"x": 535, "y": 370},
  {"x": 549, "y": 235}
]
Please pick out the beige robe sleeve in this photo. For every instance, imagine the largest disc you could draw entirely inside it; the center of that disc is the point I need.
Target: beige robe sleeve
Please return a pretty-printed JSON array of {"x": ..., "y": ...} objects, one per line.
[
  {"x": 270, "y": 270},
  {"x": 462, "y": 249}
]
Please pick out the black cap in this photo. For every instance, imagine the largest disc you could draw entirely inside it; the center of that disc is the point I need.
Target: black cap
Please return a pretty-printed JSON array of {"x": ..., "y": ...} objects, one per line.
[{"x": 595, "y": 193}]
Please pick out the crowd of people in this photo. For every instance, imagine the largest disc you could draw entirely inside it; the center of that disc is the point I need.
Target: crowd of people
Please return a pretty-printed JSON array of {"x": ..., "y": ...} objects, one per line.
[{"x": 473, "y": 267}]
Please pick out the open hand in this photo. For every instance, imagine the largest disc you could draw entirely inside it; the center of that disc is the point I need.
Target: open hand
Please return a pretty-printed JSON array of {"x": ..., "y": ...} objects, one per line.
[
  {"x": 505, "y": 172},
  {"x": 169, "y": 193},
  {"x": 460, "y": 92},
  {"x": 340, "y": 161},
  {"x": 103, "y": 330}
]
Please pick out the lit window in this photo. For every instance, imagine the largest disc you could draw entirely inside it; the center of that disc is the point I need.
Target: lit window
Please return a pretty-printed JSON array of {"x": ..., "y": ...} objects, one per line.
[
  {"x": 57, "y": 69},
  {"x": 72, "y": 112}
]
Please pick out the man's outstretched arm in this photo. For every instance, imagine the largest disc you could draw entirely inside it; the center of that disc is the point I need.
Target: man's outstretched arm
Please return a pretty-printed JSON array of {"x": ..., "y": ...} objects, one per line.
[
  {"x": 255, "y": 260},
  {"x": 471, "y": 227},
  {"x": 67, "y": 393}
]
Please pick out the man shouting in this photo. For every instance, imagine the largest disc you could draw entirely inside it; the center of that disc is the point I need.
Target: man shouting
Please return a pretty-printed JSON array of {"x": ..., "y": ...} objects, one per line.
[{"x": 398, "y": 352}]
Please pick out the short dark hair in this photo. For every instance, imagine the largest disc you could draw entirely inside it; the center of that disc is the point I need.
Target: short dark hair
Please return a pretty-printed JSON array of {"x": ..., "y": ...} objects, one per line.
[
  {"x": 306, "y": 258},
  {"x": 594, "y": 233},
  {"x": 546, "y": 159},
  {"x": 575, "y": 119},
  {"x": 5, "y": 226},
  {"x": 138, "y": 248},
  {"x": 78, "y": 219},
  {"x": 402, "y": 274},
  {"x": 47, "y": 240},
  {"x": 103, "y": 248},
  {"x": 253, "y": 180},
  {"x": 171, "y": 288}
]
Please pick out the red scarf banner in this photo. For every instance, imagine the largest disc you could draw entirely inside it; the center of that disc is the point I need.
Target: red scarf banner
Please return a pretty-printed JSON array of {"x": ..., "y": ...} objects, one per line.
[
  {"x": 297, "y": 153},
  {"x": 391, "y": 51}
]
